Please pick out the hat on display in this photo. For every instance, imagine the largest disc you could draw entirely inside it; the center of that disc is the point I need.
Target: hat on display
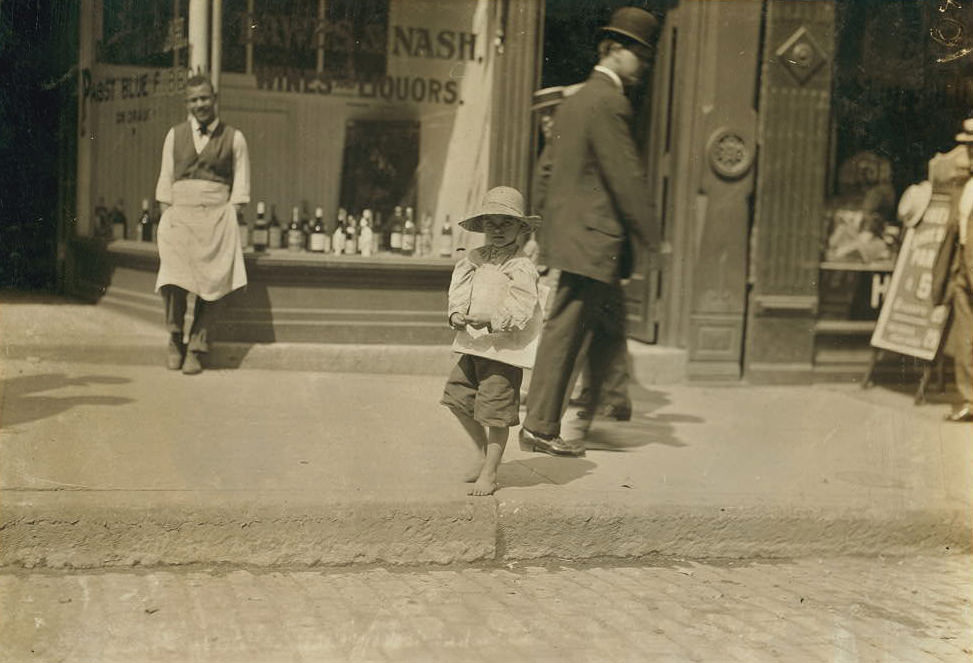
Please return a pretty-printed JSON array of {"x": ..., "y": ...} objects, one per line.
[
  {"x": 500, "y": 201},
  {"x": 633, "y": 23},
  {"x": 966, "y": 136},
  {"x": 547, "y": 97},
  {"x": 913, "y": 203}
]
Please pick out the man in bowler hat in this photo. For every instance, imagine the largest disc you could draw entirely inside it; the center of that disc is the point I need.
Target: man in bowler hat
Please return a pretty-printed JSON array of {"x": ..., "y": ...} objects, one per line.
[{"x": 592, "y": 192}]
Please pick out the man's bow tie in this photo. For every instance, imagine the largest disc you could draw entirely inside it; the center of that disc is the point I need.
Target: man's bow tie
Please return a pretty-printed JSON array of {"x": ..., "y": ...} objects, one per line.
[{"x": 203, "y": 130}]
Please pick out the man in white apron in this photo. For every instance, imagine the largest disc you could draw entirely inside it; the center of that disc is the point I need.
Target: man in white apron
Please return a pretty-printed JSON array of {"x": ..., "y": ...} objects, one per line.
[{"x": 203, "y": 182}]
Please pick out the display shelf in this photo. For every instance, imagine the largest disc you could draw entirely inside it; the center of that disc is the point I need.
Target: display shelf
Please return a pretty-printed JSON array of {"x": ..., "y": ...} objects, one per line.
[{"x": 882, "y": 266}]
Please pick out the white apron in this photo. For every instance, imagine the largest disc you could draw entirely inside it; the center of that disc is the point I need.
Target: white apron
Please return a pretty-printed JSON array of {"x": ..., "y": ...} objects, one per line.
[{"x": 199, "y": 243}]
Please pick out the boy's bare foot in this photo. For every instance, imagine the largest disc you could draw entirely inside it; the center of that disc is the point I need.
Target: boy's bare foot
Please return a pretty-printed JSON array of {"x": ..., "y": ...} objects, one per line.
[
  {"x": 473, "y": 473},
  {"x": 482, "y": 488}
]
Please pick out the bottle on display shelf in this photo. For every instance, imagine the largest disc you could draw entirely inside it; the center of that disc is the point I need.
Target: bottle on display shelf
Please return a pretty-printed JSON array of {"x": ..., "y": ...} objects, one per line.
[
  {"x": 366, "y": 236},
  {"x": 395, "y": 231},
  {"x": 446, "y": 240},
  {"x": 409, "y": 234},
  {"x": 244, "y": 229},
  {"x": 318, "y": 240},
  {"x": 306, "y": 225},
  {"x": 275, "y": 233},
  {"x": 102, "y": 220},
  {"x": 145, "y": 222},
  {"x": 295, "y": 236},
  {"x": 424, "y": 243},
  {"x": 378, "y": 233},
  {"x": 261, "y": 231},
  {"x": 338, "y": 235},
  {"x": 119, "y": 224},
  {"x": 351, "y": 235}
]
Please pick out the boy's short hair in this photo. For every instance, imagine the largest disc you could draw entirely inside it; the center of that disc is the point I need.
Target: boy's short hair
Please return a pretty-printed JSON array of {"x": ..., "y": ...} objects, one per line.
[{"x": 200, "y": 79}]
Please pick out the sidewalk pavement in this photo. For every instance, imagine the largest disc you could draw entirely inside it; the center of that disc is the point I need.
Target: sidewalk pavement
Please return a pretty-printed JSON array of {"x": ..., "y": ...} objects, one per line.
[{"x": 117, "y": 463}]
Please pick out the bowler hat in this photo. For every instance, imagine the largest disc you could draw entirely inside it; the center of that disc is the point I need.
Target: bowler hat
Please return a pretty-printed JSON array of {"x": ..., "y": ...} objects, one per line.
[
  {"x": 500, "y": 201},
  {"x": 634, "y": 23},
  {"x": 966, "y": 136}
]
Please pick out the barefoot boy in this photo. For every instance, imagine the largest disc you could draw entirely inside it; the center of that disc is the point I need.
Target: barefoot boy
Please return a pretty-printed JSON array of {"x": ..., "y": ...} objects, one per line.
[{"x": 493, "y": 305}]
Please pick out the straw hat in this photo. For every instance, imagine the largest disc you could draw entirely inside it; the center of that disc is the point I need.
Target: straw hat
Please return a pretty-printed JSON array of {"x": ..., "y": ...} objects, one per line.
[
  {"x": 913, "y": 203},
  {"x": 633, "y": 23},
  {"x": 966, "y": 136},
  {"x": 500, "y": 201}
]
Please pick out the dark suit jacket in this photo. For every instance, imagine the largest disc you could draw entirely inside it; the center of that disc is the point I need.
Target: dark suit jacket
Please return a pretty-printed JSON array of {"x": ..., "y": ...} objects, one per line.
[
  {"x": 591, "y": 188},
  {"x": 951, "y": 260}
]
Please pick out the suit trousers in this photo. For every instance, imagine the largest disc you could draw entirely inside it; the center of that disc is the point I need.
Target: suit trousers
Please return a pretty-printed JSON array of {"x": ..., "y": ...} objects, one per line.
[
  {"x": 584, "y": 312},
  {"x": 962, "y": 334},
  {"x": 204, "y": 317},
  {"x": 614, "y": 390}
]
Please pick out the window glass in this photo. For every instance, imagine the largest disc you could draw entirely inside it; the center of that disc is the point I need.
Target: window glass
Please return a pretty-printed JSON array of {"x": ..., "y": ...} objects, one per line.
[
  {"x": 142, "y": 32},
  {"x": 339, "y": 40}
]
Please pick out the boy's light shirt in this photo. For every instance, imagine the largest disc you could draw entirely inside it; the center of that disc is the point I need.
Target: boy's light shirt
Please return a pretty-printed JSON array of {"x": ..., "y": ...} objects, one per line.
[
  {"x": 515, "y": 324},
  {"x": 516, "y": 308}
]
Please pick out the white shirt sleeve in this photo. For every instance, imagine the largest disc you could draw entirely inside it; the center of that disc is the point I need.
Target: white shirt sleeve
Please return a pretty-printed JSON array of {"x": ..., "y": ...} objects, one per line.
[
  {"x": 163, "y": 188},
  {"x": 240, "y": 192}
]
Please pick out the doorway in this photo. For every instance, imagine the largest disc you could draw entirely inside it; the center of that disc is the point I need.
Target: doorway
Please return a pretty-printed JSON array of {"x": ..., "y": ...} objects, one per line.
[{"x": 571, "y": 36}]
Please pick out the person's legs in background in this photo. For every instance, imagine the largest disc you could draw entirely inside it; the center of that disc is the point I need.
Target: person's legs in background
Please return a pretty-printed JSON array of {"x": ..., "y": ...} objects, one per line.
[
  {"x": 615, "y": 401},
  {"x": 174, "y": 300},
  {"x": 607, "y": 364},
  {"x": 963, "y": 348}
]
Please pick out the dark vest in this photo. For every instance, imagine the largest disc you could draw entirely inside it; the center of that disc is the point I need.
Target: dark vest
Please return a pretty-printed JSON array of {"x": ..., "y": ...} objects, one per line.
[{"x": 214, "y": 163}]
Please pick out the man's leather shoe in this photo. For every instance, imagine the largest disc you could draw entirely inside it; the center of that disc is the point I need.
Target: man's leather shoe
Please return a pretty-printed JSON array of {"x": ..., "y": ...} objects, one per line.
[
  {"x": 616, "y": 412},
  {"x": 175, "y": 354},
  {"x": 582, "y": 400},
  {"x": 965, "y": 413},
  {"x": 554, "y": 446},
  {"x": 192, "y": 364}
]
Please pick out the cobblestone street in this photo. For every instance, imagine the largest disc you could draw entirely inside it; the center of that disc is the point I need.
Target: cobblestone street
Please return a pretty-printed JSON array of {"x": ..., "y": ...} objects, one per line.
[{"x": 829, "y": 610}]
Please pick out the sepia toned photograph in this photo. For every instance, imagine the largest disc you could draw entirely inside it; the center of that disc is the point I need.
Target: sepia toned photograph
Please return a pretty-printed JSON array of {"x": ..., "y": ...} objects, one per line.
[{"x": 486, "y": 330}]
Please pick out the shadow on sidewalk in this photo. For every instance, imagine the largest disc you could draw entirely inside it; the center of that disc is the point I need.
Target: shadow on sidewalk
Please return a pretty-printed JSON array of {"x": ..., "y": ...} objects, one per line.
[
  {"x": 20, "y": 407},
  {"x": 543, "y": 470},
  {"x": 645, "y": 427}
]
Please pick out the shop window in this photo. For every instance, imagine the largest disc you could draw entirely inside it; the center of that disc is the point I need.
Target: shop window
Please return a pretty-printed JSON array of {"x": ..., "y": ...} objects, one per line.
[
  {"x": 333, "y": 40},
  {"x": 380, "y": 162},
  {"x": 142, "y": 32},
  {"x": 900, "y": 96}
]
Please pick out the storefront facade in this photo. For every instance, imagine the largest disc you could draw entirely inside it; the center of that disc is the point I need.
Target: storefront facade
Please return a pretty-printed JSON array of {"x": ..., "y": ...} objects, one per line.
[
  {"x": 346, "y": 107},
  {"x": 424, "y": 103}
]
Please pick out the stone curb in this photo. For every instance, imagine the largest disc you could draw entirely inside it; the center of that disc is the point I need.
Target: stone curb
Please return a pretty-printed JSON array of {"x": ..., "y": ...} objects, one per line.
[{"x": 73, "y": 529}]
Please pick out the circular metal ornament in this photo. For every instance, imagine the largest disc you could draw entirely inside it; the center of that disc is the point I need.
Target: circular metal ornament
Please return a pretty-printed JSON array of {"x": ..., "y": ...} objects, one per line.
[{"x": 729, "y": 154}]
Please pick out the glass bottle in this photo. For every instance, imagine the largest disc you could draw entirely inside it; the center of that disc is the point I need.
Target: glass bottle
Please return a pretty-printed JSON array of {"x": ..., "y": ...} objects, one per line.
[
  {"x": 409, "y": 234},
  {"x": 119, "y": 224},
  {"x": 317, "y": 242},
  {"x": 261, "y": 232},
  {"x": 295, "y": 236},
  {"x": 366, "y": 236},
  {"x": 275, "y": 234},
  {"x": 446, "y": 240},
  {"x": 145, "y": 222},
  {"x": 395, "y": 231}
]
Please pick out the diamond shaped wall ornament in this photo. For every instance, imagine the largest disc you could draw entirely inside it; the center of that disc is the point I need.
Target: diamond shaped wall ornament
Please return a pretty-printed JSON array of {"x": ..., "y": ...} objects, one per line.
[{"x": 801, "y": 55}]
